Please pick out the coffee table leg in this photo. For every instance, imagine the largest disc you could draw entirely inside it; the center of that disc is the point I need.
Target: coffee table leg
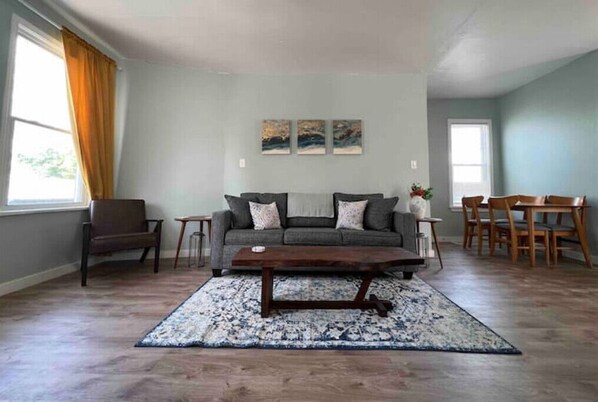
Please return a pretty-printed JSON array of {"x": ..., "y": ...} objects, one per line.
[{"x": 267, "y": 290}]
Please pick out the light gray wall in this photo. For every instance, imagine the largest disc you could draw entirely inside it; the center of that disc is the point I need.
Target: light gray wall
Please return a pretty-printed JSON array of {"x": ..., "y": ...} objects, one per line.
[
  {"x": 393, "y": 113},
  {"x": 186, "y": 131},
  {"x": 173, "y": 148},
  {"x": 439, "y": 111},
  {"x": 33, "y": 243},
  {"x": 550, "y": 136}
]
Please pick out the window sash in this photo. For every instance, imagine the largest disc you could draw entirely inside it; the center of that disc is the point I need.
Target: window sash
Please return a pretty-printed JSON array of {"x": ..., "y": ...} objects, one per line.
[
  {"x": 486, "y": 164},
  {"x": 21, "y": 27}
]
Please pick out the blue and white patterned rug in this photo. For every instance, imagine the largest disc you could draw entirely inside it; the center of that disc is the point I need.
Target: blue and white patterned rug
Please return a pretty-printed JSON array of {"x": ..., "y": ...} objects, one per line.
[{"x": 225, "y": 312}]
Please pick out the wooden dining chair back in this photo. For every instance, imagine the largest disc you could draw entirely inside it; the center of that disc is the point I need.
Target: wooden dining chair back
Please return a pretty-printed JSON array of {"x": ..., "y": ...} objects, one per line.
[
  {"x": 473, "y": 224},
  {"x": 531, "y": 199},
  {"x": 563, "y": 231},
  {"x": 512, "y": 229}
]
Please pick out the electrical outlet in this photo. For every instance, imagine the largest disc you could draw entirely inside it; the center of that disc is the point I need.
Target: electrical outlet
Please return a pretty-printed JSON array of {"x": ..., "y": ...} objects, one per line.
[
  {"x": 241, "y": 163},
  {"x": 413, "y": 165}
]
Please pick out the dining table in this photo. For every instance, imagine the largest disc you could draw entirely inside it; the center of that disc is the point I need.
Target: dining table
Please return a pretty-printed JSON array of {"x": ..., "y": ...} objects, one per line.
[{"x": 531, "y": 209}]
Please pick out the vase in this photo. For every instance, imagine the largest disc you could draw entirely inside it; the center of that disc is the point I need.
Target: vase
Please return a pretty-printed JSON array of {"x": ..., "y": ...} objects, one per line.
[{"x": 417, "y": 206}]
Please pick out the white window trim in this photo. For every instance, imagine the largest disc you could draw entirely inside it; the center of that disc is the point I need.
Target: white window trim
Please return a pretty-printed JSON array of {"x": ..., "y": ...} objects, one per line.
[
  {"x": 450, "y": 122},
  {"x": 22, "y": 26}
]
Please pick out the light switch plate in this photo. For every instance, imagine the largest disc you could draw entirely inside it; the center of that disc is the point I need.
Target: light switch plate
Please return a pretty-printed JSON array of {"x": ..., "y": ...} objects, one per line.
[
  {"x": 241, "y": 163},
  {"x": 414, "y": 165}
]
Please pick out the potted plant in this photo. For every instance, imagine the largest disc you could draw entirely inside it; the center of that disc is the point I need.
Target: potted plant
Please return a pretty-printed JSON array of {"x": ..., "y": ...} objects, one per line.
[{"x": 419, "y": 197}]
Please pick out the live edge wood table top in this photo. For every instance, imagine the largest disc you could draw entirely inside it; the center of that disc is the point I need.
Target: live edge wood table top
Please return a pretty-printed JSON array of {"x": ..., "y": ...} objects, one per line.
[{"x": 364, "y": 260}]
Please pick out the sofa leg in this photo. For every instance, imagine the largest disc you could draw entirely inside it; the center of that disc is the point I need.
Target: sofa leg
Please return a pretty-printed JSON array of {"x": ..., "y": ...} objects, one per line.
[
  {"x": 407, "y": 275},
  {"x": 217, "y": 273}
]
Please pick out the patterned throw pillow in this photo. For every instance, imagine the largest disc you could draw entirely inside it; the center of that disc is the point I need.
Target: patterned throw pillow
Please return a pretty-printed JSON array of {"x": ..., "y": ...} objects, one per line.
[
  {"x": 350, "y": 215},
  {"x": 264, "y": 216}
]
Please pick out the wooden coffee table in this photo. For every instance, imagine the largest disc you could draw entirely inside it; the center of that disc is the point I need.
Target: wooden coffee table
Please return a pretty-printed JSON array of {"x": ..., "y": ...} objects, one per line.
[{"x": 367, "y": 261}]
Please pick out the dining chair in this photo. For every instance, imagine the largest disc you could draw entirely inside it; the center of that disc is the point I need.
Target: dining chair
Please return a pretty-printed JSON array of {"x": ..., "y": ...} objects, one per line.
[
  {"x": 473, "y": 223},
  {"x": 513, "y": 230},
  {"x": 530, "y": 199},
  {"x": 560, "y": 231}
]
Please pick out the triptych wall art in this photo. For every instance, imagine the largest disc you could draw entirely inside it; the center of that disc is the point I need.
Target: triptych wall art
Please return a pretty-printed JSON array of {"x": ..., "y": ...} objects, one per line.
[{"x": 311, "y": 137}]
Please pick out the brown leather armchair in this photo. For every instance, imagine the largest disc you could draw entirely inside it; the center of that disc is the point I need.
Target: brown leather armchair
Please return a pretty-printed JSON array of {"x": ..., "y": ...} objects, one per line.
[{"x": 118, "y": 225}]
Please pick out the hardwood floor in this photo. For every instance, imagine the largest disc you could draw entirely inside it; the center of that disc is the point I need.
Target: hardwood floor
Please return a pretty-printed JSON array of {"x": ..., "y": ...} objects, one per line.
[{"x": 59, "y": 341}]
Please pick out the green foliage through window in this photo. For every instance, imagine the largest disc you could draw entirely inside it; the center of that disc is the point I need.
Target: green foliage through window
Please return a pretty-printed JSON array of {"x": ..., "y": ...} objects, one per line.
[{"x": 52, "y": 163}]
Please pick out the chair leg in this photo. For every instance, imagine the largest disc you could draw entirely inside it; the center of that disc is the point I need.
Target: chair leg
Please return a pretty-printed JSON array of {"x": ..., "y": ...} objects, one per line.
[
  {"x": 480, "y": 240},
  {"x": 555, "y": 249},
  {"x": 492, "y": 241},
  {"x": 84, "y": 269},
  {"x": 514, "y": 247},
  {"x": 547, "y": 248},
  {"x": 466, "y": 235},
  {"x": 145, "y": 251},
  {"x": 470, "y": 237},
  {"x": 156, "y": 259}
]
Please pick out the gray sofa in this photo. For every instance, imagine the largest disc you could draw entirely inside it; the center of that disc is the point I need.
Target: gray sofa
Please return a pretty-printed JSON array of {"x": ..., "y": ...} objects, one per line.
[{"x": 226, "y": 240}]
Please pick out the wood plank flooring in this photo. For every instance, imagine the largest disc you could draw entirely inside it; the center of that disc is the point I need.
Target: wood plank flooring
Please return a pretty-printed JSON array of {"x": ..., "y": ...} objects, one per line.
[{"x": 59, "y": 341}]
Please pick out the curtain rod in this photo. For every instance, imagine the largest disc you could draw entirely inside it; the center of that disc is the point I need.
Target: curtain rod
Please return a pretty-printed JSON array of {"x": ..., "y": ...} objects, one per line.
[{"x": 47, "y": 19}]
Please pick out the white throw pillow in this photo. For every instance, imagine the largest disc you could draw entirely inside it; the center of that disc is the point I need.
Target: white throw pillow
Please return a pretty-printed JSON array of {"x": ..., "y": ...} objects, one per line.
[
  {"x": 264, "y": 216},
  {"x": 350, "y": 215}
]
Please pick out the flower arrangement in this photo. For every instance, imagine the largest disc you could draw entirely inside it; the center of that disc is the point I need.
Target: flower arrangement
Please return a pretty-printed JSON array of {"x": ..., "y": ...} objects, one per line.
[{"x": 419, "y": 190}]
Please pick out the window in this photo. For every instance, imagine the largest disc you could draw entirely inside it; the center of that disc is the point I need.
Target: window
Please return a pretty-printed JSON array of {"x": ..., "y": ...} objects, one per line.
[
  {"x": 39, "y": 166},
  {"x": 470, "y": 159}
]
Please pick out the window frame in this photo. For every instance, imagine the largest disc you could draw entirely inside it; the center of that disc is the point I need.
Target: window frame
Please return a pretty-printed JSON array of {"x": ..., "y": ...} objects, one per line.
[
  {"x": 20, "y": 26},
  {"x": 450, "y": 123}
]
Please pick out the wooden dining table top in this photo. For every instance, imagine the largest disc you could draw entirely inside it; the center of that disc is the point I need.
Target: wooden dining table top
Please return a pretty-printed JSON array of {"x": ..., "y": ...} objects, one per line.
[{"x": 522, "y": 206}]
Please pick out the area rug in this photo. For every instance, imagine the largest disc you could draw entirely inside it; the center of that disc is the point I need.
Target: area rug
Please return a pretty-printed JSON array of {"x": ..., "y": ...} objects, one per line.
[{"x": 225, "y": 313}]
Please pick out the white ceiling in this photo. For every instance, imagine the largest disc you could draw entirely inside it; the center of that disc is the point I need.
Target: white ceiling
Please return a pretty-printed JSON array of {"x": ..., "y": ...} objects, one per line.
[{"x": 468, "y": 48}]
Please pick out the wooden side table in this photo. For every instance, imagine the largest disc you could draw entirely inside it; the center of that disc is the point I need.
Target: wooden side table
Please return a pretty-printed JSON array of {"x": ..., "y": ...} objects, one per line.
[
  {"x": 432, "y": 222},
  {"x": 201, "y": 219}
]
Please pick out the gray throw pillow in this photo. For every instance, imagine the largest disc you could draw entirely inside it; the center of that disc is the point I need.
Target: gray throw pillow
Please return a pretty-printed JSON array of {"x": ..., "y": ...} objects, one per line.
[
  {"x": 378, "y": 214},
  {"x": 239, "y": 207},
  {"x": 268, "y": 198}
]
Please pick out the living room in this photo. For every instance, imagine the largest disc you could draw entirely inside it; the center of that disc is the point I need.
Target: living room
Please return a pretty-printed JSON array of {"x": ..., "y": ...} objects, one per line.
[{"x": 195, "y": 86}]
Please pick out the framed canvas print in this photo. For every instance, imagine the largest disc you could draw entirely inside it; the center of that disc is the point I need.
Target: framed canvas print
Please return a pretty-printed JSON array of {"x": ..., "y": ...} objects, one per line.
[
  {"x": 346, "y": 137},
  {"x": 276, "y": 137},
  {"x": 311, "y": 137}
]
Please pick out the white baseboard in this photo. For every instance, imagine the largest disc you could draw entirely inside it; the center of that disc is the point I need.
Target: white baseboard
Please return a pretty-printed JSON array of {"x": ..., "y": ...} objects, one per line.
[{"x": 37, "y": 278}]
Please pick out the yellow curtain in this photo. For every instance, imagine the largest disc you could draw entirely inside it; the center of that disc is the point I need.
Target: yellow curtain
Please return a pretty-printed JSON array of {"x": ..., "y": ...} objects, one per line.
[{"x": 92, "y": 85}]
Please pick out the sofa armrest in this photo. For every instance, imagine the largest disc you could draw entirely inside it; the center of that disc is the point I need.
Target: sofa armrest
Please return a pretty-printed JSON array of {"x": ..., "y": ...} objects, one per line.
[
  {"x": 221, "y": 223},
  {"x": 404, "y": 223}
]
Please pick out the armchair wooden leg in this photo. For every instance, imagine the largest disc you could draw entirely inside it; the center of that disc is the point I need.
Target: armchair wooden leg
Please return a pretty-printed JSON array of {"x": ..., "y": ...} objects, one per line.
[
  {"x": 157, "y": 259},
  {"x": 145, "y": 251},
  {"x": 84, "y": 269}
]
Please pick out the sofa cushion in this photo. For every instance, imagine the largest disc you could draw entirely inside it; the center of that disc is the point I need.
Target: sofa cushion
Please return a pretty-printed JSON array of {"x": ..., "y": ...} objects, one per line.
[
  {"x": 267, "y": 198},
  {"x": 371, "y": 238},
  {"x": 378, "y": 214},
  {"x": 312, "y": 237},
  {"x": 239, "y": 208},
  {"x": 250, "y": 237},
  {"x": 128, "y": 241},
  {"x": 353, "y": 197},
  {"x": 311, "y": 222}
]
